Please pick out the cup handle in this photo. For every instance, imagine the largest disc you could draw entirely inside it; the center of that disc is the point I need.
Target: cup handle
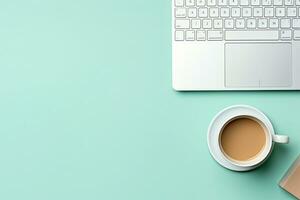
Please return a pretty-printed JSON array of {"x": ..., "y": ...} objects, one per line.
[{"x": 283, "y": 139}]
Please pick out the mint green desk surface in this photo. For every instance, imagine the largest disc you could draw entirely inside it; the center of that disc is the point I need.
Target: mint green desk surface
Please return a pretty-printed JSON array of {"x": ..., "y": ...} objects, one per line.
[{"x": 88, "y": 112}]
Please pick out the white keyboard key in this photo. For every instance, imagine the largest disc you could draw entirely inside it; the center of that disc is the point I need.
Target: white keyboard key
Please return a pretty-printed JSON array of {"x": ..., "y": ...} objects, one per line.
[
  {"x": 244, "y": 2},
  {"x": 228, "y": 23},
  {"x": 269, "y": 12},
  {"x": 297, "y": 2},
  {"x": 192, "y": 12},
  {"x": 196, "y": 23},
  {"x": 222, "y": 2},
  {"x": 266, "y": 2},
  {"x": 288, "y": 2},
  {"x": 286, "y": 34},
  {"x": 251, "y": 23},
  {"x": 211, "y": 2},
  {"x": 292, "y": 12},
  {"x": 190, "y": 2},
  {"x": 258, "y": 12},
  {"x": 215, "y": 35},
  {"x": 251, "y": 35},
  {"x": 214, "y": 12},
  {"x": 179, "y": 2},
  {"x": 280, "y": 12},
  {"x": 296, "y": 23},
  {"x": 202, "y": 12},
  {"x": 247, "y": 12},
  {"x": 179, "y": 35},
  {"x": 190, "y": 35},
  {"x": 218, "y": 24},
  {"x": 297, "y": 34},
  {"x": 233, "y": 2},
  {"x": 273, "y": 23},
  {"x": 285, "y": 23},
  {"x": 224, "y": 12},
  {"x": 255, "y": 2},
  {"x": 180, "y": 12},
  {"x": 206, "y": 23},
  {"x": 182, "y": 23},
  {"x": 201, "y": 35},
  {"x": 240, "y": 23},
  {"x": 200, "y": 2},
  {"x": 278, "y": 2},
  {"x": 236, "y": 12},
  {"x": 262, "y": 23}
]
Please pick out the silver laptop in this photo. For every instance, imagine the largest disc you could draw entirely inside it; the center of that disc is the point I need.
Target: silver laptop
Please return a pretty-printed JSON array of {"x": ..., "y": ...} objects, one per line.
[{"x": 236, "y": 44}]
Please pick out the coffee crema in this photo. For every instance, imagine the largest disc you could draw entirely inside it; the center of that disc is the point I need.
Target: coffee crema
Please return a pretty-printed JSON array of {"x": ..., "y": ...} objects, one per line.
[{"x": 243, "y": 139}]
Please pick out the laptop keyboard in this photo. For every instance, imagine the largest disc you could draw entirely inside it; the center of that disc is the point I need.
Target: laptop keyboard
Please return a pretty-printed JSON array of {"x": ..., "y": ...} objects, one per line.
[{"x": 237, "y": 20}]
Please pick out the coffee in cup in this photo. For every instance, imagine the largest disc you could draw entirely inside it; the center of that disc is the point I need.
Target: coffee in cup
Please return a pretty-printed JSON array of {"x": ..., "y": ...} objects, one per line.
[{"x": 242, "y": 139}]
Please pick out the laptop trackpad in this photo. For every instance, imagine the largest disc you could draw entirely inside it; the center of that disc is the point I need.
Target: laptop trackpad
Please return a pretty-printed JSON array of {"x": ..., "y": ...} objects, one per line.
[{"x": 258, "y": 65}]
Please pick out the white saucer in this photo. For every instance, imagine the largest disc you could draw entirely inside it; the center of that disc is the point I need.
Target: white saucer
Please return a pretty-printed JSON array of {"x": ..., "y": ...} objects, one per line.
[{"x": 217, "y": 124}]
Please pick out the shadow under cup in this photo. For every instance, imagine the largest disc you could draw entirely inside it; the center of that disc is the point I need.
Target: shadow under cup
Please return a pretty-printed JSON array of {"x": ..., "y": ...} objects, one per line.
[{"x": 245, "y": 141}]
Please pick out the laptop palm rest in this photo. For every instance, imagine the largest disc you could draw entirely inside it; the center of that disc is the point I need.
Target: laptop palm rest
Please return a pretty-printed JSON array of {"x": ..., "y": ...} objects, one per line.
[{"x": 258, "y": 65}]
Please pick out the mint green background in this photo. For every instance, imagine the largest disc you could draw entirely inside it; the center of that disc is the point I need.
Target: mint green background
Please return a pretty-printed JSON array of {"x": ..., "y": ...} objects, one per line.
[{"x": 88, "y": 111}]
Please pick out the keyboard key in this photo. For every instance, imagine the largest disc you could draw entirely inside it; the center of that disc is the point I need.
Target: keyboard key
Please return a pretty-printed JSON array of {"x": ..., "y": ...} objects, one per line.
[
  {"x": 262, "y": 23},
  {"x": 200, "y": 2},
  {"x": 286, "y": 34},
  {"x": 201, "y": 35},
  {"x": 292, "y": 12},
  {"x": 218, "y": 24},
  {"x": 280, "y": 12},
  {"x": 192, "y": 12},
  {"x": 214, "y": 35},
  {"x": 182, "y": 23},
  {"x": 296, "y": 23},
  {"x": 236, "y": 12},
  {"x": 257, "y": 12},
  {"x": 190, "y": 35},
  {"x": 233, "y": 2},
  {"x": 179, "y": 35},
  {"x": 251, "y": 35},
  {"x": 196, "y": 23},
  {"x": 278, "y": 2},
  {"x": 240, "y": 23},
  {"x": 180, "y": 12},
  {"x": 224, "y": 12},
  {"x": 297, "y": 34},
  {"x": 214, "y": 12},
  {"x": 266, "y": 2},
  {"x": 255, "y": 2},
  {"x": 190, "y": 2},
  {"x": 179, "y": 2},
  {"x": 288, "y": 2},
  {"x": 273, "y": 23},
  {"x": 202, "y": 12},
  {"x": 269, "y": 12},
  {"x": 244, "y": 2},
  {"x": 206, "y": 23},
  {"x": 222, "y": 2},
  {"x": 247, "y": 12},
  {"x": 228, "y": 23},
  {"x": 285, "y": 23},
  {"x": 298, "y": 2},
  {"x": 211, "y": 2},
  {"x": 251, "y": 23}
]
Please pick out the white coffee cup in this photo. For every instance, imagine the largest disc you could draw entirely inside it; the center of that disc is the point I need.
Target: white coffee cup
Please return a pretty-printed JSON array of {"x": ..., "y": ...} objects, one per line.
[{"x": 241, "y": 111}]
